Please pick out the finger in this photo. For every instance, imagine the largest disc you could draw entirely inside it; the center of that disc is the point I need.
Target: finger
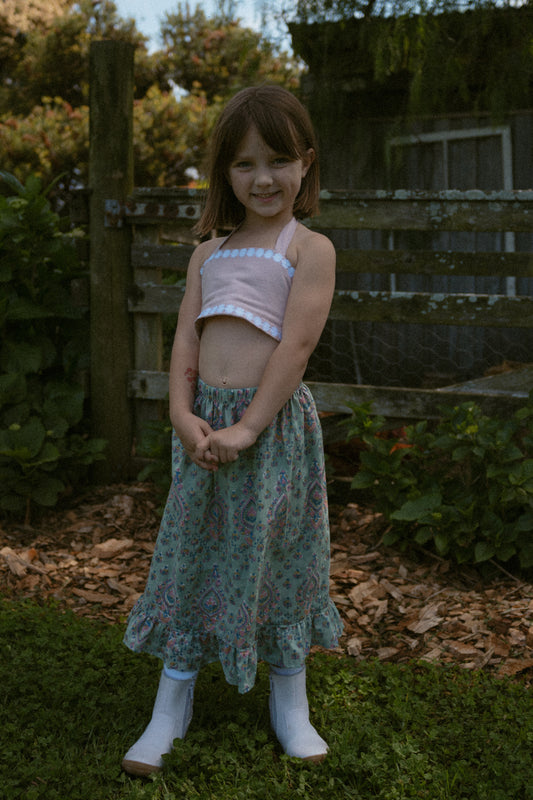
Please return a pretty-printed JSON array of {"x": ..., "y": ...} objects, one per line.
[
  {"x": 205, "y": 427},
  {"x": 207, "y": 465},
  {"x": 205, "y": 456},
  {"x": 202, "y": 448},
  {"x": 227, "y": 455}
]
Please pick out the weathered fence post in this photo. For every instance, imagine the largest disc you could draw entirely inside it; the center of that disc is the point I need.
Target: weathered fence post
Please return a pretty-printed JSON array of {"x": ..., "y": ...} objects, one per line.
[{"x": 111, "y": 179}]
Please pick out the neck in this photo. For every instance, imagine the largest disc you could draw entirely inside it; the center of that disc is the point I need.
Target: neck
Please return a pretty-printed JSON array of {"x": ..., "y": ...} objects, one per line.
[
  {"x": 265, "y": 225},
  {"x": 253, "y": 232}
]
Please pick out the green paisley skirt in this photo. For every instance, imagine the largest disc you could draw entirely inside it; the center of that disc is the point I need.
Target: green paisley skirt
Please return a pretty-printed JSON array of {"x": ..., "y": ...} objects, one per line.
[{"x": 240, "y": 571}]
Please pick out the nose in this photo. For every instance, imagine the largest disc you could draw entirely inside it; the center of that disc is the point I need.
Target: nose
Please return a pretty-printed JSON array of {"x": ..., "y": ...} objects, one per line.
[{"x": 263, "y": 175}]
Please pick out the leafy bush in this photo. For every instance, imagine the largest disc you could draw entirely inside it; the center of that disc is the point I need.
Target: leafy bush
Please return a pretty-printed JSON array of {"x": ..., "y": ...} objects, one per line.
[
  {"x": 43, "y": 349},
  {"x": 156, "y": 447},
  {"x": 169, "y": 137},
  {"x": 465, "y": 486},
  {"x": 51, "y": 139}
]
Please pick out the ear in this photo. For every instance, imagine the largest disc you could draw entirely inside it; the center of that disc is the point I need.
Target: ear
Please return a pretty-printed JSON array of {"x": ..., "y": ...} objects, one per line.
[{"x": 307, "y": 160}]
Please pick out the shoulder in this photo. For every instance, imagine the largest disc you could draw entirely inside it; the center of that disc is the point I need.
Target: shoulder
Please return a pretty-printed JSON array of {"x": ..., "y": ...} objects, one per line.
[
  {"x": 207, "y": 248},
  {"x": 309, "y": 246},
  {"x": 202, "y": 252}
]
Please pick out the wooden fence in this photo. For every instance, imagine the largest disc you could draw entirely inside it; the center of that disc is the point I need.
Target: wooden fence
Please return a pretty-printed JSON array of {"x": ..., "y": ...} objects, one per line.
[{"x": 139, "y": 234}]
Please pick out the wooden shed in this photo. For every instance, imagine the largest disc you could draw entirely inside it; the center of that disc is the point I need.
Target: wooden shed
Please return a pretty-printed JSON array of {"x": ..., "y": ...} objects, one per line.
[{"x": 370, "y": 139}]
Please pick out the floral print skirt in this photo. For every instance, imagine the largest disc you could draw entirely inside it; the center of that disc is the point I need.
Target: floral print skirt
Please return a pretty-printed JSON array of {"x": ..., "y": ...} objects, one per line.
[{"x": 240, "y": 571}]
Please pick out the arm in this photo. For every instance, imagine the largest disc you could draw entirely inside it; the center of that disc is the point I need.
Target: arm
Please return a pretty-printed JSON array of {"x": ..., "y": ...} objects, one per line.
[
  {"x": 305, "y": 316},
  {"x": 184, "y": 364}
]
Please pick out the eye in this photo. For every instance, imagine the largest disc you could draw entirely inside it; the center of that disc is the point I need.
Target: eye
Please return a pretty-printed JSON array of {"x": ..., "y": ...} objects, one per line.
[
  {"x": 242, "y": 164},
  {"x": 281, "y": 161}
]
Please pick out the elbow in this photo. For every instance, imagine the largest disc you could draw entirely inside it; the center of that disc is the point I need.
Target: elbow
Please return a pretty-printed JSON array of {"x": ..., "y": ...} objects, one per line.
[{"x": 297, "y": 354}]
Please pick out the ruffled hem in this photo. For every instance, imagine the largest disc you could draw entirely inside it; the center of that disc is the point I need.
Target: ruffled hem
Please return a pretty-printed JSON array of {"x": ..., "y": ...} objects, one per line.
[{"x": 284, "y": 646}]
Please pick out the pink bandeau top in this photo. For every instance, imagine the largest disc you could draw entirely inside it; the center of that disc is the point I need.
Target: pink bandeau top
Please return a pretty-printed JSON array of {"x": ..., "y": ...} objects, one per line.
[{"x": 252, "y": 283}]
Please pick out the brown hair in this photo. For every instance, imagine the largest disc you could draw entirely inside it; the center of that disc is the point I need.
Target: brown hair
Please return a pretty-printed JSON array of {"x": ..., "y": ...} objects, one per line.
[{"x": 284, "y": 124}]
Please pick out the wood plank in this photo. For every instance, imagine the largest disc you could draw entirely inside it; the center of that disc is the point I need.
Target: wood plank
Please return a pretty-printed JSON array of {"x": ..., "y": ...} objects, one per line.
[
  {"x": 110, "y": 178},
  {"x": 148, "y": 385},
  {"x": 427, "y": 262},
  {"x": 517, "y": 380},
  {"x": 421, "y": 262},
  {"x": 147, "y": 298},
  {"x": 388, "y": 401},
  {"x": 433, "y": 309},
  {"x": 159, "y": 256},
  {"x": 154, "y": 212},
  {"x": 405, "y": 403},
  {"x": 166, "y": 194},
  {"x": 154, "y": 205},
  {"x": 396, "y": 307},
  {"x": 148, "y": 329},
  {"x": 423, "y": 211},
  {"x": 367, "y": 210}
]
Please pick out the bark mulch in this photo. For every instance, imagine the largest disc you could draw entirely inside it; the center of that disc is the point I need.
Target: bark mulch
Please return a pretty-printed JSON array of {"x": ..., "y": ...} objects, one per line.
[{"x": 93, "y": 556}]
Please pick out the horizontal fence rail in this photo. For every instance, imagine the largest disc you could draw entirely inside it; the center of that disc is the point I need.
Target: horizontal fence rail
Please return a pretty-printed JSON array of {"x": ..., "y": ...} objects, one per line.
[
  {"x": 426, "y": 211},
  {"x": 152, "y": 212}
]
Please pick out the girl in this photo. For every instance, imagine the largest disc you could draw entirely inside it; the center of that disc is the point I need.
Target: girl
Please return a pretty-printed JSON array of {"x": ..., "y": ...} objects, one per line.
[{"x": 240, "y": 571}]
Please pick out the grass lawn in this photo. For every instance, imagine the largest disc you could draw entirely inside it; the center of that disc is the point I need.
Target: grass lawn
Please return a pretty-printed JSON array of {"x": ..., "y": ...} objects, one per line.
[{"x": 73, "y": 699}]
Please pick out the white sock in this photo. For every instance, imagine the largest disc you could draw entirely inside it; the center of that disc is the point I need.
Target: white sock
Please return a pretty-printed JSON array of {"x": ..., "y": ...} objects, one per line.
[
  {"x": 286, "y": 670},
  {"x": 178, "y": 675}
]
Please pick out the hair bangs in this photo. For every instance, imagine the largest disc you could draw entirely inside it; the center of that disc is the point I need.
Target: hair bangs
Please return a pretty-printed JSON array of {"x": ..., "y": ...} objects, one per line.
[{"x": 278, "y": 133}]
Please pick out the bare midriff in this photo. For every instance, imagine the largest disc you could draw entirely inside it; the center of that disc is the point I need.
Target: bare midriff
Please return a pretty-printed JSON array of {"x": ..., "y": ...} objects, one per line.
[{"x": 233, "y": 353}]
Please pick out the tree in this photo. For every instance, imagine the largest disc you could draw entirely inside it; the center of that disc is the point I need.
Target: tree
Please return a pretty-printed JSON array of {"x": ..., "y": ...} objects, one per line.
[
  {"x": 44, "y": 89},
  {"x": 52, "y": 140},
  {"x": 311, "y": 11},
  {"x": 170, "y": 136},
  {"x": 24, "y": 15},
  {"x": 442, "y": 50},
  {"x": 17, "y": 19},
  {"x": 216, "y": 56},
  {"x": 50, "y": 55}
]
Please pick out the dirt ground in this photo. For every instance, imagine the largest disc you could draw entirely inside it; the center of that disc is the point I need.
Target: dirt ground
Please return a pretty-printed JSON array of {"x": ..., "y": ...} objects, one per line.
[{"x": 93, "y": 556}]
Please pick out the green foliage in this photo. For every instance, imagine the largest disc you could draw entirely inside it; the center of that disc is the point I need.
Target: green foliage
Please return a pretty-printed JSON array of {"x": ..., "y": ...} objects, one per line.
[
  {"x": 43, "y": 350},
  {"x": 52, "y": 139},
  {"x": 217, "y": 56},
  {"x": 464, "y": 487},
  {"x": 169, "y": 136},
  {"x": 44, "y": 114},
  {"x": 44, "y": 91},
  {"x": 338, "y": 10},
  {"x": 51, "y": 58},
  {"x": 445, "y": 55},
  {"x": 156, "y": 446},
  {"x": 73, "y": 699}
]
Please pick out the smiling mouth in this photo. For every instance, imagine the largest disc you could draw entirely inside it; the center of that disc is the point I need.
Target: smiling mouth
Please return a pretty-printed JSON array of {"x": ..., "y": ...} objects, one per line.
[{"x": 265, "y": 195}]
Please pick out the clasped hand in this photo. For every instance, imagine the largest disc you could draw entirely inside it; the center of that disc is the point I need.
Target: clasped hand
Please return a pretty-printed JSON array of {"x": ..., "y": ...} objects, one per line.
[
  {"x": 209, "y": 448},
  {"x": 223, "y": 446}
]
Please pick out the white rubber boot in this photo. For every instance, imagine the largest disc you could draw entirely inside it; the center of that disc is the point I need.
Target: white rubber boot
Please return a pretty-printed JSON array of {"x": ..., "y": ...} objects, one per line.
[
  {"x": 170, "y": 719},
  {"x": 289, "y": 715}
]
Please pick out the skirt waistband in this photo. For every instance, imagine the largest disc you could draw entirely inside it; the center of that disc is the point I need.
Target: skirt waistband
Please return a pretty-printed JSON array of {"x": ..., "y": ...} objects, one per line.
[{"x": 223, "y": 394}]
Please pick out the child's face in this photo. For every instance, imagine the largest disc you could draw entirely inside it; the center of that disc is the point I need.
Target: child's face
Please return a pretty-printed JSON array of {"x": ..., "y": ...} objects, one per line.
[{"x": 264, "y": 181}]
